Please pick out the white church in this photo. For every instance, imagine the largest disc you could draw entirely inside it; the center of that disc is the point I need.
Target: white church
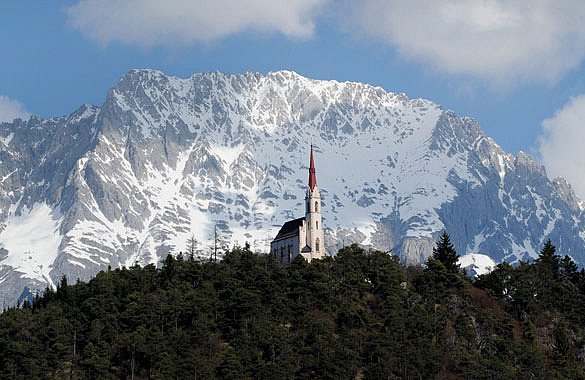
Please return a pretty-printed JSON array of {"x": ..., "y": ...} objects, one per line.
[{"x": 303, "y": 236}]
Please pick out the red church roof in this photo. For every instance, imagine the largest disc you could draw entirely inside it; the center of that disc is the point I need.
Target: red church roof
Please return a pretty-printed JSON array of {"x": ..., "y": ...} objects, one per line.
[{"x": 312, "y": 176}]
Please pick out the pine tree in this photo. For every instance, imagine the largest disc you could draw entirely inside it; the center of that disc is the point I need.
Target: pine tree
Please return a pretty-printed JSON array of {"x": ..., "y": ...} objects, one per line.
[
  {"x": 445, "y": 253},
  {"x": 548, "y": 262},
  {"x": 568, "y": 271}
]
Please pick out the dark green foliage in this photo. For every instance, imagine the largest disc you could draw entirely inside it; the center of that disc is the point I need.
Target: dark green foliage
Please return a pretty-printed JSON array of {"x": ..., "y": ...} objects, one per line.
[
  {"x": 360, "y": 315},
  {"x": 445, "y": 253},
  {"x": 549, "y": 306}
]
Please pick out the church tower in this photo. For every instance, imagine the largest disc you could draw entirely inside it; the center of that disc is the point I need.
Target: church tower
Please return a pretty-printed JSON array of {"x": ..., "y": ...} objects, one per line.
[
  {"x": 314, "y": 227},
  {"x": 302, "y": 236}
]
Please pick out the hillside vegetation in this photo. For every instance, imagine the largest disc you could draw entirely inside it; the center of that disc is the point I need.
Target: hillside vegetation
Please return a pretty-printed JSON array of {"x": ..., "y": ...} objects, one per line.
[{"x": 359, "y": 315}]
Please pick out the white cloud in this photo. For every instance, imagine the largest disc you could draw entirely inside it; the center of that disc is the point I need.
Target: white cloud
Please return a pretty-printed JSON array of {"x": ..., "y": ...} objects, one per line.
[
  {"x": 183, "y": 22},
  {"x": 561, "y": 144},
  {"x": 501, "y": 41},
  {"x": 11, "y": 109}
]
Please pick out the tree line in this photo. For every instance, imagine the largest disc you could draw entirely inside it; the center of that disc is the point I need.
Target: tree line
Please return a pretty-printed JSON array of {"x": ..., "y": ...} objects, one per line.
[{"x": 357, "y": 315}]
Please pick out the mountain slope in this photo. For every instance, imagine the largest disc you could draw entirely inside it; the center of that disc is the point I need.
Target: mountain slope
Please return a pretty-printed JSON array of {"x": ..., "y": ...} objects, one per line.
[{"x": 166, "y": 158}]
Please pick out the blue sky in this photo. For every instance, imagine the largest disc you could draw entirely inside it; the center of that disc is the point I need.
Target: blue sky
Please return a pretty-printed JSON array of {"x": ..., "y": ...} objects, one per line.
[{"x": 517, "y": 67}]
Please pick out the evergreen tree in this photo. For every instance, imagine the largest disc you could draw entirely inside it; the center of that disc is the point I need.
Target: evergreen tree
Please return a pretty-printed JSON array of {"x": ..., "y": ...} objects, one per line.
[
  {"x": 548, "y": 262},
  {"x": 568, "y": 271},
  {"x": 357, "y": 315},
  {"x": 446, "y": 254}
]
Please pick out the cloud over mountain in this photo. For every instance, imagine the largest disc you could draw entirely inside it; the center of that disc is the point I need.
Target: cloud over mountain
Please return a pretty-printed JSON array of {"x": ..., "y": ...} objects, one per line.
[
  {"x": 184, "y": 22},
  {"x": 10, "y": 109},
  {"x": 499, "y": 41},
  {"x": 495, "y": 40},
  {"x": 561, "y": 143}
]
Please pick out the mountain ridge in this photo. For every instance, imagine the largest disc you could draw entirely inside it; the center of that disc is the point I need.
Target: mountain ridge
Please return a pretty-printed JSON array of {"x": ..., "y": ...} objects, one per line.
[{"x": 166, "y": 158}]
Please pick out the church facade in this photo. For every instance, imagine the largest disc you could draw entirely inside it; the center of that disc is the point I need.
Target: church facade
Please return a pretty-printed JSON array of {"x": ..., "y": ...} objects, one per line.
[{"x": 303, "y": 236}]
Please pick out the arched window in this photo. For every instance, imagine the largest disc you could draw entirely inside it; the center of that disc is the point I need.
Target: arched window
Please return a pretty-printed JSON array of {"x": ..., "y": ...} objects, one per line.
[
  {"x": 316, "y": 206},
  {"x": 317, "y": 245},
  {"x": 317, "y": 224}
]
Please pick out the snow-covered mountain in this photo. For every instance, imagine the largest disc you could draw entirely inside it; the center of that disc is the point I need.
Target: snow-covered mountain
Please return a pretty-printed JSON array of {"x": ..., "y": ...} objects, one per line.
[
  {"x": 476, "y": 264},
  {"x": 167, "y": 158}
]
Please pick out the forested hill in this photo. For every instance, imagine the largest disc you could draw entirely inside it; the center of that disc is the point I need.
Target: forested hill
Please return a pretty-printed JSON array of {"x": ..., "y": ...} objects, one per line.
[{"x": 359, "y": 315}]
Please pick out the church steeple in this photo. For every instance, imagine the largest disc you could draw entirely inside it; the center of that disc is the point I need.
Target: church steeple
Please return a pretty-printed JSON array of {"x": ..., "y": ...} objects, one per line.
[
  {"x": 303, "y": 236},
  {"x": 312, "y": 176},
  {"x": 314, "y": 228}
]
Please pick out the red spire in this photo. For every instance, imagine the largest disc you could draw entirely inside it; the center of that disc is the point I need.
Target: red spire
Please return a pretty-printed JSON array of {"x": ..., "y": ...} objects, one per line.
[{"x": 312, "y": 176}]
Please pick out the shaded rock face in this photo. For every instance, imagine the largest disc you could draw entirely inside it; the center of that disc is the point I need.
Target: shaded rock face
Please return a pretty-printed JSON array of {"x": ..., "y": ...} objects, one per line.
[{"x": 165, "y": 159}]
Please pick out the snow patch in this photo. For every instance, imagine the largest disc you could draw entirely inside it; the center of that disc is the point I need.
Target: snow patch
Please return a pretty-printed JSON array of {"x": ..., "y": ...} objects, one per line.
[
  {"x": 501, "y": 166},
  {"x": 227, "y": 154},
  {"x": 32, "y": 240},
  {"x": 7, "y": 176},
  {"x": 476, "y": 264},
  {"x": 6, "y": 140}
]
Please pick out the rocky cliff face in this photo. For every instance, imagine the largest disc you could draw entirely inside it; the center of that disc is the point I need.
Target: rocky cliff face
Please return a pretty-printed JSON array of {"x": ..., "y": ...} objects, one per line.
[{"x": 164, "y": 159}]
